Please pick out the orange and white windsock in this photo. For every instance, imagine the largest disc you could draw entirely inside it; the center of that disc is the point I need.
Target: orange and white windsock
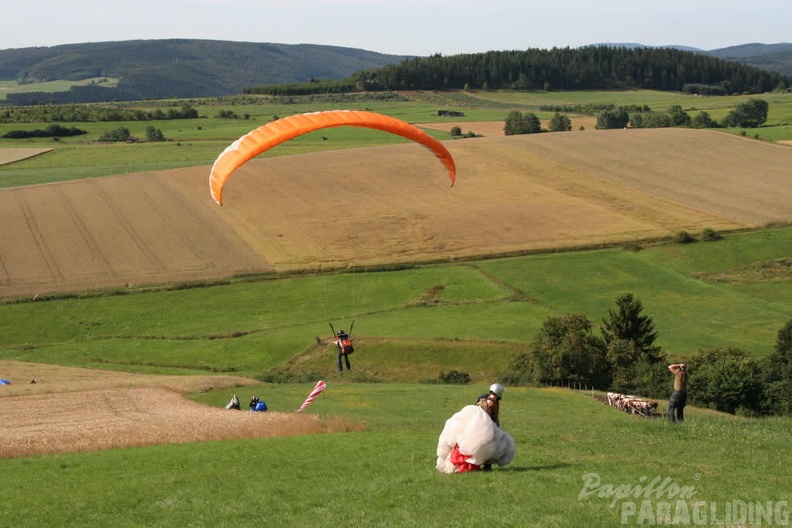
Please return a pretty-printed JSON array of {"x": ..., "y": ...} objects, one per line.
[{"x": 317, "y": 390}]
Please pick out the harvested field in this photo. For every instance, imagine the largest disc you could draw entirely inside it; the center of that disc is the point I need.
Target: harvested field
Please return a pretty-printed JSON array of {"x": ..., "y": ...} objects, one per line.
[
  {"x": 389, "y": 204},
  {"x": 71, "y": 409},
  {"x": 10, "y": 155}
]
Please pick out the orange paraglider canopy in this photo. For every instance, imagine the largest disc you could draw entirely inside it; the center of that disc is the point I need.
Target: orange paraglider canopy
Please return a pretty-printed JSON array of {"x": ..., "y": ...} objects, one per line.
[{"x": 265, "y": 137}]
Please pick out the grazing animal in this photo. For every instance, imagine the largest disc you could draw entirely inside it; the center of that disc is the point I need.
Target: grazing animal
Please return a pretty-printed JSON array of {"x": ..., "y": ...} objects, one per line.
[{"x": 632, "y": 405}]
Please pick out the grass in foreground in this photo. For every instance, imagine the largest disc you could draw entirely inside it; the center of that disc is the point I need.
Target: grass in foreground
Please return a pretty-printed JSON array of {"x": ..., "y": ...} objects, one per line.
[{"x": 386, "y": 476}]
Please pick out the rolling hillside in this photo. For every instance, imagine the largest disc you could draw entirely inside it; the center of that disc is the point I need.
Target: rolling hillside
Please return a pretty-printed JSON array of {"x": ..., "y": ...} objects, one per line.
[
  {"x": 173, "y": 68},
  {"x": 150, "y": 69},
  {"x": 388, "y": 204}
]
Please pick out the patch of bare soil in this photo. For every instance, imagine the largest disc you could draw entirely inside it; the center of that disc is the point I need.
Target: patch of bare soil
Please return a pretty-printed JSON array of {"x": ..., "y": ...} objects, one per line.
[
  {"x": 71, "y": 409},
  {"x": 10, "y": 155}
]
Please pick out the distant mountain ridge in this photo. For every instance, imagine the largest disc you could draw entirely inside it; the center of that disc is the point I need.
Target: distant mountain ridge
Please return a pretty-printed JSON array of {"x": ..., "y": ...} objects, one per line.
[
  {"x": 184, "y": 68},
  {"x": 773, "y": 57},
  {"x": 750, "y": 50},
  {"x": 187, "y": 67}
]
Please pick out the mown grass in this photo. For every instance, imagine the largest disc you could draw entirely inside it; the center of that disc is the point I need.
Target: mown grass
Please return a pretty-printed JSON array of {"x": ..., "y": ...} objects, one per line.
[
  {"x": 189, "y": 144},
  {"x": 199, "y": 141},
  {"x": 386, "y": 477},
  {"x": 7, "y": 87},
  {"x": 251, "y": 327}
]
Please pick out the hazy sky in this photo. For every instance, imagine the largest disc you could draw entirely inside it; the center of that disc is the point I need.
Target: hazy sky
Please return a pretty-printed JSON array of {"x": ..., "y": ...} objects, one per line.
[{"x": 402, "y": 27}]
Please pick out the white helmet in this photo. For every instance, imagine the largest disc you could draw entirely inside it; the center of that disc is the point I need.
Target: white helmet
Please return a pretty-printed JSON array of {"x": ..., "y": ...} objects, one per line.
[{"x": 497, "y": 390}]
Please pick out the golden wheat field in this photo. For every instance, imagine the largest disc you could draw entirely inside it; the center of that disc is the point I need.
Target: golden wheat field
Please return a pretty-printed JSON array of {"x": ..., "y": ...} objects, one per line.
[
  {"x": 334, "y": 209},
  {"x": 388, "y": 204}
]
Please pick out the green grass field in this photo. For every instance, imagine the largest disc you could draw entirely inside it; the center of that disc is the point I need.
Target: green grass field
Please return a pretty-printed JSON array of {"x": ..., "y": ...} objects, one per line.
[
  {"x": 248, "y": 327},
  {"x": 199, "y": 141},
  {"x": 7, "y": 87},
  {"x": 386, "y": 477}
]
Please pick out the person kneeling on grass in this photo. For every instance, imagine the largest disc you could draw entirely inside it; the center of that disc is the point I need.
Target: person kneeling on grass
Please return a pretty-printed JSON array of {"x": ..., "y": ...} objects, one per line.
[
  {"x": 471, "y": 440},
  {"x": 257, "y": 405}
]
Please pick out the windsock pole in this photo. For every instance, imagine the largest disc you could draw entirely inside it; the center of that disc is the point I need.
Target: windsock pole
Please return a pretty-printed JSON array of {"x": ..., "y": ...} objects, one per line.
[{"x": 317, "y": 390}]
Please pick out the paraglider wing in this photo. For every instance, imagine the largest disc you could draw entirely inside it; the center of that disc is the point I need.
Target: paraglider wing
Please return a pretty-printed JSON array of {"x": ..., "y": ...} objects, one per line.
[
  {"x": 265, "y": 137},
  {"x": 472, "y": 436}
]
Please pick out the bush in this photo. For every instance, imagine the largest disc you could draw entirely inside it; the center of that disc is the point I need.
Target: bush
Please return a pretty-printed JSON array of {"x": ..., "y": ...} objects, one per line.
[
  {"x": 119, "y": 134},
  {"x": 53, "y": 131},
  {"x": 456, "y": 131},
  {"x": 709, "y": 235},
  {"x": 154, "y": 134},
  {"x": 560, "y": 123},
  {"x": 454, "y": 377},
  {"x": 683, "y": 237},
  {"x": 633, "y": 246}
]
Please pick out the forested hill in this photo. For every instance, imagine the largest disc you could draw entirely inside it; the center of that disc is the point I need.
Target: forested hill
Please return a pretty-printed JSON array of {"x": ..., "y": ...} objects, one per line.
[
  {"x": 593, "y": 67},
  {"x": 150, "y": 69}
]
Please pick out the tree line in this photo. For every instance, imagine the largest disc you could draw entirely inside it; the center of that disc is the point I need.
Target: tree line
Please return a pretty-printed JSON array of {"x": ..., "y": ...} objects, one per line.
[
  {"x": 84, "y": 113},
  {"x": 749, "y": 114},
  {"x": 588, "y": 68},
  {"x": 625, "y": 358}
]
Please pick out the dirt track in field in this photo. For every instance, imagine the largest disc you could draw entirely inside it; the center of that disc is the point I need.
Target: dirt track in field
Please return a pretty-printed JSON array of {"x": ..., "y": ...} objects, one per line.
[{"x": 388, "y": 204}]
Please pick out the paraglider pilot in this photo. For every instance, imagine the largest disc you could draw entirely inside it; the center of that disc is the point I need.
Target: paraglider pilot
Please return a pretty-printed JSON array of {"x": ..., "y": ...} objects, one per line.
[
  {"x": 257, "y": 405},
  {"x": 234, "y": 403},
  {"x": 471, "y": 439},
  {"x": 343, "y": 343},
  {"x": 494, "y": 396}
]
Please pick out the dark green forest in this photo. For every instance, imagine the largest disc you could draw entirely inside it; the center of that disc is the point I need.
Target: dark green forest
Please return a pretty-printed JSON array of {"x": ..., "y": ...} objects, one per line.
[{"x": 596, "y": 68}]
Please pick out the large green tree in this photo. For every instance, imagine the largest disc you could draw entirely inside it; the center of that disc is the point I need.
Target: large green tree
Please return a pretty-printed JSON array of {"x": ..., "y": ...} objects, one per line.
[
  {"x": 612, "y": 118},
  {"x": 750, "y": 114},
  {"x": 778, "y": 374},
  {"x": 560, "y": 123},
  {"x": 629, "y": 323},
  {"x": 725, "y": 379},
  {"x": 565, "y": 349},
  {"x": 519, "y": 123}
]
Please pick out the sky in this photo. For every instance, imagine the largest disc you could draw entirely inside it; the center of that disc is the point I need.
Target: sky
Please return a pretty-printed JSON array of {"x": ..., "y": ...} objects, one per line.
[{"x": 402, "y": 27}]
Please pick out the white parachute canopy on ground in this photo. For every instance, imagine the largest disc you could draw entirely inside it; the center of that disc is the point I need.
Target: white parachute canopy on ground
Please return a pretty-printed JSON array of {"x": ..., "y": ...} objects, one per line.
[{"x": 477, "y": 436}]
